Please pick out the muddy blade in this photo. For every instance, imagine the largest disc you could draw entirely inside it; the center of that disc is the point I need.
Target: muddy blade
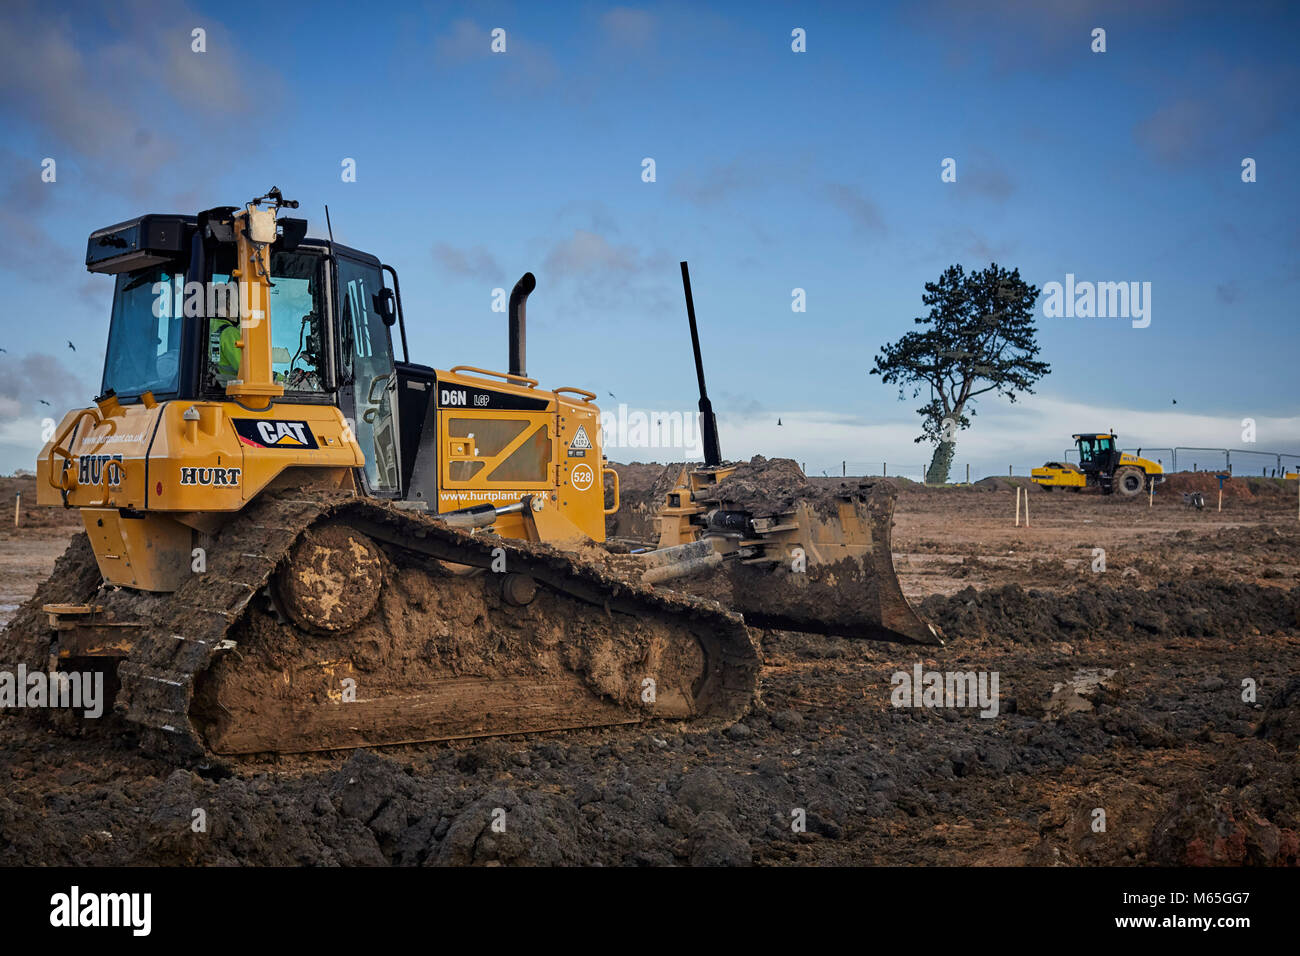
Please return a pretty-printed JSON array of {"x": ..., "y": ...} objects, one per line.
[{"x": 846, "y": 587}]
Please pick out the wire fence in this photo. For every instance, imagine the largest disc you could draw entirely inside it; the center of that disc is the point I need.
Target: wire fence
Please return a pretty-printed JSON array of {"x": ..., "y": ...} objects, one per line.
[
  {"x": 959, "y": 472},
  {"x": 1238, "y": 461}
]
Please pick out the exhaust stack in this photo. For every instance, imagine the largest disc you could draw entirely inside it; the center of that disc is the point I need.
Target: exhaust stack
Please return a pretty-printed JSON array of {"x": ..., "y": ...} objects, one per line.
[{"x": 518, "y": 316}]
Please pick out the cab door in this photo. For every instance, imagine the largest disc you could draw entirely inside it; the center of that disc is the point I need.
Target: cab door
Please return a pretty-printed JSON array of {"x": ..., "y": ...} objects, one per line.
[{"x": 369, "y": 383}]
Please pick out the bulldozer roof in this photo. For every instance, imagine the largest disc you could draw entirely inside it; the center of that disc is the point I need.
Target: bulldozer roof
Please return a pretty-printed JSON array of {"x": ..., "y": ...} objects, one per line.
[{"x": 154, "y": 238}]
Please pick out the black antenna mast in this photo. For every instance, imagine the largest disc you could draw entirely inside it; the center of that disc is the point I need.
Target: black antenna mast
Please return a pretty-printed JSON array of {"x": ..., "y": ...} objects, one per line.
[{"x": 708, "y": 422}]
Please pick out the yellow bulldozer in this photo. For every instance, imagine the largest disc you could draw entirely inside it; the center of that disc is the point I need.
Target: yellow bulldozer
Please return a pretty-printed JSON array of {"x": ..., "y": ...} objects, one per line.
[
  {"x": 1101, "y": 465},
  {"x": 295, "y": 541}
]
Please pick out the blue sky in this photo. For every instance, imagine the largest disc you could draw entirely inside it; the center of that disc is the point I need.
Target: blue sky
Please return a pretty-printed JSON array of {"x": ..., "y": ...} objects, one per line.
[{"x": 775, "y": 170}]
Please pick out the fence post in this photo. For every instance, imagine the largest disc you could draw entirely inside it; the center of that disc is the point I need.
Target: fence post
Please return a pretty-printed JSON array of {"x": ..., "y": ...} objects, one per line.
[
  {"x": 844, "y": 469},
  {"x": 884, "y": 469},
  {"x": 968, "y": 473}
]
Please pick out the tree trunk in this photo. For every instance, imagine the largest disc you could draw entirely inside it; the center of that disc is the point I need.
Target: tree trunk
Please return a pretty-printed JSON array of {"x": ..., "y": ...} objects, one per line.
[{"x": 937, "y": 473}]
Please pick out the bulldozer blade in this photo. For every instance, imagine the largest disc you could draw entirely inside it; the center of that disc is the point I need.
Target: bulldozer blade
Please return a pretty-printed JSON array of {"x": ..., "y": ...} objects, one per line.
[{"x": 827, "y": 567}]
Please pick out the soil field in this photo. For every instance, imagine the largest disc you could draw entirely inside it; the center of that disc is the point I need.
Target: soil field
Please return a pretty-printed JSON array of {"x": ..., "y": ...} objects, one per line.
[{"x": 1146, "y": 712}]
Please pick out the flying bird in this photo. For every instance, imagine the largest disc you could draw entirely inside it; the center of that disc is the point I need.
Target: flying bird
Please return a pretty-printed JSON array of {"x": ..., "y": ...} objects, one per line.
[
  {"x": 43, "y": 402},
  {"x": 778, "y": 421},
  {"x": 4, "y": 350},
  {"x": 612, "y": 395},
  {"x": 1175, "y": 401},
  {"x": 71, "y": 346}
]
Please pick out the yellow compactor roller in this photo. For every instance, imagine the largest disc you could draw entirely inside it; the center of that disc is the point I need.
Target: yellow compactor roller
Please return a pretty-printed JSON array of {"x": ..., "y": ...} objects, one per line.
[
  {"x": 295, "y": 541},
  {"x": 1101, "y": 465}
]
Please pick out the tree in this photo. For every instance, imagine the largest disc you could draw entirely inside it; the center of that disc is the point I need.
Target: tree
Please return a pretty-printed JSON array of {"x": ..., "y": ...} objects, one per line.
[{"x": 979, "y": 337}]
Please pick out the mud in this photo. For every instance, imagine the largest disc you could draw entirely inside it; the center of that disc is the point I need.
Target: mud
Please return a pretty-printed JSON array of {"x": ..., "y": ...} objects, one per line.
[
  {"x": 773, "y": 486},
  {"x": 1188, "y": 745},
  {"x": 761, "y": 486},
  {"x": 444, "y": 655}
]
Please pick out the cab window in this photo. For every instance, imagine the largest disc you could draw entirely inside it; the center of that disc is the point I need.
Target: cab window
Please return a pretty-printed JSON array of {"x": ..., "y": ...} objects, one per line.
[
  {"x": 297, "y": 334},
  {"x": 144, "y": 337},
  {"x": 366, "y": 369}
]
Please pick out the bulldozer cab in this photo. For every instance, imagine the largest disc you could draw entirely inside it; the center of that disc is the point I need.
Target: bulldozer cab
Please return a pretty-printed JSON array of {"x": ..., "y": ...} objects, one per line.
[{"x": 174, "y": 331}]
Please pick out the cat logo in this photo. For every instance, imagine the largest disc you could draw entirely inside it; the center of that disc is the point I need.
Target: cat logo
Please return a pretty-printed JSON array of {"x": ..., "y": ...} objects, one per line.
[
  {"x": 274, "y": 433},
  {"x": 581, "y": 442}
]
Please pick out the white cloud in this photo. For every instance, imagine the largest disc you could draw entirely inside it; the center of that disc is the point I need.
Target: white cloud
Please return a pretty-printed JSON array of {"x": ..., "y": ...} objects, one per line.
[{"x": 1034, "y": 430}]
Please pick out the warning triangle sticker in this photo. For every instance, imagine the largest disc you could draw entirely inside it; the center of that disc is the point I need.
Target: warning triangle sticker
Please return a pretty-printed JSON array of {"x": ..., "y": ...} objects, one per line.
[{"x": 580, "y": 439}]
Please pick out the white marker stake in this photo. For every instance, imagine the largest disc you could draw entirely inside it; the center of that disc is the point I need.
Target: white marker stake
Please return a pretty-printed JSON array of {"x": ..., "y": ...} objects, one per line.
[
  {"x": 1151, "y": 500},
  {"x": 1220, "y": 496},
  {"x": 17, "y": 504},
  {"x": 1017, "y": 506},
  {"x": 1026, "y": 507}
]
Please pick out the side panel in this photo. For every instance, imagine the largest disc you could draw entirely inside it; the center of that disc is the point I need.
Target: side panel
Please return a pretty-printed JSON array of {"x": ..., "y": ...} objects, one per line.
[
  {"x": 580, "y": 485},
  {"x": 108, "y": 458},
  {"x": 496, "y": 442},
  {"x": 144, "y": 459},
  {"x": 230, "y": 454}
]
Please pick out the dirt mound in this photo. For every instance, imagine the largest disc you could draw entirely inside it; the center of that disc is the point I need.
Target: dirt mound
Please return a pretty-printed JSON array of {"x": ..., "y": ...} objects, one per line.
[
  {"x": 761, "y": 486},
  {"x": 1239, "y": 487},
  {"x": 767, "y": 486},
  {"x": 1186, "y": 608},
  {"x": 996, "y": 483}
]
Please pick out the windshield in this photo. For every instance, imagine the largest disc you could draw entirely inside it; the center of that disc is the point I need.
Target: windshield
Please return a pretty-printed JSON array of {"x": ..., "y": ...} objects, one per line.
[{"x": 144, "y": 337}]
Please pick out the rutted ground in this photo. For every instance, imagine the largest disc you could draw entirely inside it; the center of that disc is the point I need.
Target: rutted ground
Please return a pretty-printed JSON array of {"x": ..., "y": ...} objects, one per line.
[{"x": 1118, "y": 691}]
